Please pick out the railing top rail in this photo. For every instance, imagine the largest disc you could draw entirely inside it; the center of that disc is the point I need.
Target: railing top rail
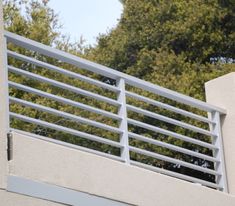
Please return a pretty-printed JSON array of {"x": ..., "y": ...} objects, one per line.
[{"x": 108, "y": 72}]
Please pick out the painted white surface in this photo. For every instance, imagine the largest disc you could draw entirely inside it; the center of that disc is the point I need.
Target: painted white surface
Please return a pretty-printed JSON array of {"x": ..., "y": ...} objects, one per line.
[
  {"x": 55, "y": 164},
  {"x": 56, "y": 193},
  {"x": 11, "y": 199}
]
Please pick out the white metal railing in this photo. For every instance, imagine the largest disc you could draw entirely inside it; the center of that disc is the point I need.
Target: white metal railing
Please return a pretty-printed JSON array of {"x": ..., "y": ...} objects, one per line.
[{"x": 124, "y": 100}]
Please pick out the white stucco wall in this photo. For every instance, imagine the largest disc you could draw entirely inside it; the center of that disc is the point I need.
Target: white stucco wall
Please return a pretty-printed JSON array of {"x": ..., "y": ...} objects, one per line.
[{"x": 51, "y": 163}]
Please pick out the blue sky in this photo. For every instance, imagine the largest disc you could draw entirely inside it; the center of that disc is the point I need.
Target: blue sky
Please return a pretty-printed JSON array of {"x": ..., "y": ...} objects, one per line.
[{"x": 87, "y": 18}]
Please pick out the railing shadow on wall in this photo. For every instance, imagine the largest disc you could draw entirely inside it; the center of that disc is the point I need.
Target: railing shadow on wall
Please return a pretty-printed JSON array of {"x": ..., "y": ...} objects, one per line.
[{"x": 109, "y": 113}]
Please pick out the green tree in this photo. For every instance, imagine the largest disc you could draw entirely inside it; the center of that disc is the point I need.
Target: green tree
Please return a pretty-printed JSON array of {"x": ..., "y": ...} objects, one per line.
[
  {"x": 171, "y": 39},
  {"x": 199, "y": 30},
  {"x": 31, "y": 19}
]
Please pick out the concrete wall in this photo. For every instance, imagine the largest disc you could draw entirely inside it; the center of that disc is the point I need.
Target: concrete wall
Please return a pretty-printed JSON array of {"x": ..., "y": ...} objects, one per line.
[
  {"x": 11, "y": 199},
  {"x": 221, "y": 92},
  {"x": 51, "y": 163}
]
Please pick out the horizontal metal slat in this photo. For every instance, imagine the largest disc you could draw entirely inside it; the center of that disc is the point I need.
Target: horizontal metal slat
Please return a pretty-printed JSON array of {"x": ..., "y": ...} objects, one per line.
[
  {"x": 172, "y": 147},
  {"x": 172, "y": 160},
  {"x": 172, "y": 134},
  {"x": 169, "y": 120},
  {"x": 174, "y": 174},
  {"x": 65, "y": 115},
  {"x": 62, "y": 71},
  {"x": 63, "y": 86},
  {"x": 64, "y": 100},
  {"x": 169, "y": 107},
  {"x": 66, "y": 130}
]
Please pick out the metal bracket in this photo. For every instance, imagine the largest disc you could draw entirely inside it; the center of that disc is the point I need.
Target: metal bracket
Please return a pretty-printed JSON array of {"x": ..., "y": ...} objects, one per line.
[{"x": 9, "y": 146}]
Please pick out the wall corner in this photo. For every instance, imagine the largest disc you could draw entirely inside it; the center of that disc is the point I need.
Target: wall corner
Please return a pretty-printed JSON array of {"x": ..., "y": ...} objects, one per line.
[{"x": 221, "y": 92}]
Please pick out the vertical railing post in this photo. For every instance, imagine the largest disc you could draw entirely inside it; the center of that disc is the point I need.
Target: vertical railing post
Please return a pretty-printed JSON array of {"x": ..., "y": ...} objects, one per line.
[
  {"x": 123, "y": 123},
  {"x": 4, "y": 105},
  {"x": 219, "y": 153}
]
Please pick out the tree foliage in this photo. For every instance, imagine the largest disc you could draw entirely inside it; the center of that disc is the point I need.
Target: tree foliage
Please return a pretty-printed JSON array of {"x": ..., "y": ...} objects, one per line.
[
  {"x": 31, "y": 19},
  {"x": 154, "y": 35}
]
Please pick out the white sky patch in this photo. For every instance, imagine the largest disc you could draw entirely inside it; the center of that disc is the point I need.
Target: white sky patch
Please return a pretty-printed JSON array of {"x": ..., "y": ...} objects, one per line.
[{"x": 87, "y": 18}]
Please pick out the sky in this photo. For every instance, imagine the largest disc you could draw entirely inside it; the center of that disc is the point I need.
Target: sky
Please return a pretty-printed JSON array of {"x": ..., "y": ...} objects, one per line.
[{"x": 87, "y": 18}]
